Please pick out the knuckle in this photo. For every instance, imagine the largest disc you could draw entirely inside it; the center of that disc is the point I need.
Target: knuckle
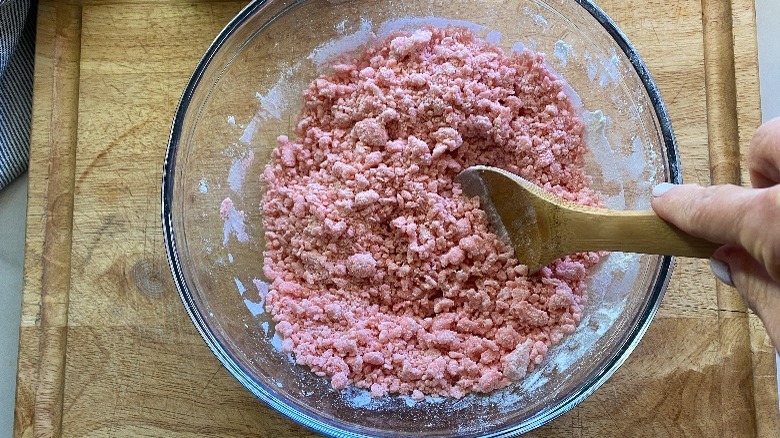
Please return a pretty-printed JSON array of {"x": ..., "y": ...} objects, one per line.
[
  {"x": 768, "y": 236},
  {"x": 766, "y": 135},
  {"x": 774, "y": 272},
  {"x": 768, "y": 254},
  {"x": 773, "y": 193},
  {"x": 700, "y": 210},
  {"x": 698, "y": 217},
  {"x": 764, "y": 147},
  {"x": 767, "y": 207}
]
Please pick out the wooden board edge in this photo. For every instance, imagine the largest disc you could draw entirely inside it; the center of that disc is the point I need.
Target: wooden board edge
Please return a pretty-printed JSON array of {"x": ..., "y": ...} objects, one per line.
[
  {"x": 749, "y": 118},
  {"x": 46, "y": 229},
  {"x": 40, "y": 379},
  {"x": 723, "y": 35}
]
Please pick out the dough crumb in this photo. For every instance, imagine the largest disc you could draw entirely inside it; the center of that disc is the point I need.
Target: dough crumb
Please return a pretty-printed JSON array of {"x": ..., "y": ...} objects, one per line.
[{"x": 383, "y": 274}]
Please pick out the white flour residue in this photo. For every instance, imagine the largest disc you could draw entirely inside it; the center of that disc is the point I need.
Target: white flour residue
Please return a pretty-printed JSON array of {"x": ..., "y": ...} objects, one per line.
[
  {"x": 592, "y": 67},
  {"x": 232, "y": 150},
  {"x": 326, "y": 52},
  {"x": 562, "y": 50},
  {"x": 262, "y": 291},
  {"x": 231, "y": 120},
  {"x": 230, "y": 257},
  {"x": 541, "y": 21},
  {"x": 518, "y": 47},
  {"x": 620, "y": 269},
  {"x": 637, "y": 110},
  {"x": 411, "y": 23},
  {"x": 494, "y": 37},
  {"x": 276, "y": 342},
  {"x": 203, "y": 186},
  {"x": 254, "y": 308},
  {"x": 777, "y": 362},
  {"x": 610, "y": 70},
  {"x": 262, "y": 287},
  {"x": 617, "y": 201},
  {"x": 618, "y": 167},
  {"x": 652, "y": 163},
  {"x": 250, "y": 130},
  {"x": 274, "y": 101},
  {"x": 240, "y": 286},
  {"x": 636, "y": 162},
  {"x": 575, "y": 99},
  {"x": 234, "y": 222},
  {"x": 356, "y": 397},
  {"x": 596, "y": 138},
  {"x": 237, "y": 172}
]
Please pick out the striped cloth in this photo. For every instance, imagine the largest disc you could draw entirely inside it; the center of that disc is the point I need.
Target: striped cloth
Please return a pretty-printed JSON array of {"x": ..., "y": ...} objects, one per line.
[{"x": 17, "y": 52}]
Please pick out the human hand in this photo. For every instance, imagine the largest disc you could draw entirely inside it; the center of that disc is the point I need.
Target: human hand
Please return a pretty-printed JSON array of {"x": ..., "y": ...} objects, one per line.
[{"x": 745, "y": 220}]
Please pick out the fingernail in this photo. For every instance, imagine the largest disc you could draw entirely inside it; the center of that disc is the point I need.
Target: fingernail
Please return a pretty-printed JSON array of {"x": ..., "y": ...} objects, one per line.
[
  {"x": 721, "y": 271},
  {"x": 662, "y": 188}
]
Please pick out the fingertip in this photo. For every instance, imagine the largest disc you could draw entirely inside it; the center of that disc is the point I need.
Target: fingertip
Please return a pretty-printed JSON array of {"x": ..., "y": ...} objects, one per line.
[
  {"x": 763, "y": 159},
  {"x": 733, "y": 265},
  {"x": 669, "y": 199},
  {"x": 721, "y": 271},
  {"x": 662, "y": 188},
  {"x": 681, "y": 191},
  {"x": 760, "y": 292}
]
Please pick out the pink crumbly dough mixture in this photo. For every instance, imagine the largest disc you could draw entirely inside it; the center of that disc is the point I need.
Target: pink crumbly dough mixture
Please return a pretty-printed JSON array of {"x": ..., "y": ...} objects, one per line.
[{"x": 384, "y": 275}]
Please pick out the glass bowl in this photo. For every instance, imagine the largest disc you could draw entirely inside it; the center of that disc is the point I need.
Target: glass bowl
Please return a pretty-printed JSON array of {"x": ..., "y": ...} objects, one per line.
[{"x": 247, "y": 90}]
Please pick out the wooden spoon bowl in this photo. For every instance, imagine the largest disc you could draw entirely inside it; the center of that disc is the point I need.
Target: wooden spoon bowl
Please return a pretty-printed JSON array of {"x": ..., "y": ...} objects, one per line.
[{"x": 543, "y": 227}]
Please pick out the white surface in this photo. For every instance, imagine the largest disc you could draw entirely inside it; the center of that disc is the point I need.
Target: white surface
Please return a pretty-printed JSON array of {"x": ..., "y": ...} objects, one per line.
[
  {"x": 13, "y": 204},
  {"x": 767, "y": 17}
]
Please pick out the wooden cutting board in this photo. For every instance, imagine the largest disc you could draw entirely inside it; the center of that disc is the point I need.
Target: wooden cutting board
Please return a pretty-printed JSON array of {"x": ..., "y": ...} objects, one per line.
[{"x": 106, "y": 347}]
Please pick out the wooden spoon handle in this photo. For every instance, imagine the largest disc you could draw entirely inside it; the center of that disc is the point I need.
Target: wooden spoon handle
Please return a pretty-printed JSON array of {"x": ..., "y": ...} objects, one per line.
[{"x": 635, "y": 231}]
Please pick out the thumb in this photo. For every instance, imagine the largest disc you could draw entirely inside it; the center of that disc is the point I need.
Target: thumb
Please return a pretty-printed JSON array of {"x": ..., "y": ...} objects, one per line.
[
  {"x": 726, "y": 214},
  {"x": 714, "y": 213},
  {"x": 736, "y": 267}
]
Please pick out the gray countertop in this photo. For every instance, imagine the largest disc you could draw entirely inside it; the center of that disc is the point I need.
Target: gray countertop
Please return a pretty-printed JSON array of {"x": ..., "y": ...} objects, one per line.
[{"x": 13, "y": 204}]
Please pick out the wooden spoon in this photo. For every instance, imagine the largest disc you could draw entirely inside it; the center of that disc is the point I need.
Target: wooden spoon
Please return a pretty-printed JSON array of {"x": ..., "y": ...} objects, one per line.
[{"x": 543, "y": 227}]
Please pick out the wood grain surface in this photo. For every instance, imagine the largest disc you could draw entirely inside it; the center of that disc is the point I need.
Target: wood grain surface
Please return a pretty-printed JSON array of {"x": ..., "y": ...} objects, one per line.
[{"x": 106, "y": 348}]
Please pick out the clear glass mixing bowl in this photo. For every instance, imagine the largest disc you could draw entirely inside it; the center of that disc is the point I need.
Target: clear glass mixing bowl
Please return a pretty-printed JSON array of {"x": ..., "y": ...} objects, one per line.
[{"x": 247, "y": 90}]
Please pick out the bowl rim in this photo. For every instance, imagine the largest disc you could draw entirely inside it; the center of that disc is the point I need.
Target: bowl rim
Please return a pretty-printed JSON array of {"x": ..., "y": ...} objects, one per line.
[{"x": 259, "y": 390}]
